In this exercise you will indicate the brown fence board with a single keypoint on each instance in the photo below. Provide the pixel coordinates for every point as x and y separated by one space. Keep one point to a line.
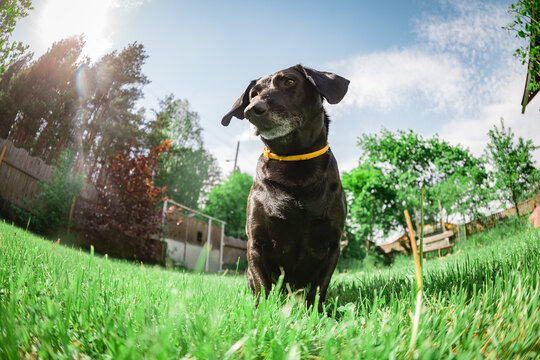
21 173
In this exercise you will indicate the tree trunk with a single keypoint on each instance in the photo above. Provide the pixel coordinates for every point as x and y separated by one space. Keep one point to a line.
514 200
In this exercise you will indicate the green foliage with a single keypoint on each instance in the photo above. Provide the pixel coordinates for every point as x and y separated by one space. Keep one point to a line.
392 169
370 195
349 264
39 102
515 175
355 248
50 209
108 117
189 168
59 303
526 25
10 12
228 202
239 266
500 232
64 101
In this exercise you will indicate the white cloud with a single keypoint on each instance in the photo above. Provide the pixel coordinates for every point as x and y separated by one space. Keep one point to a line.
126 3
246 135
396 78
471 130
473 31
461 72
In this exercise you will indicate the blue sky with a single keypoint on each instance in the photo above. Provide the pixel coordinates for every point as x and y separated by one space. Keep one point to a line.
441 67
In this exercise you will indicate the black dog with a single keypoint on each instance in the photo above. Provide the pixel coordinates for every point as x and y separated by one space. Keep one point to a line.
296 208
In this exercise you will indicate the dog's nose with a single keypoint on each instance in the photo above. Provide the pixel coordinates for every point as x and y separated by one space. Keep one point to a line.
256 109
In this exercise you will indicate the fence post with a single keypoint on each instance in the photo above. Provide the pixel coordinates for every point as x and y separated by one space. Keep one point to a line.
163 214
71 213
3 153
208 244
185 241
221 247
162 239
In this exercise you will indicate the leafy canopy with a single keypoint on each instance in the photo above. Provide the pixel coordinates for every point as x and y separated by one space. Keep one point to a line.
10 12
392 170
228 201
188 168
514 172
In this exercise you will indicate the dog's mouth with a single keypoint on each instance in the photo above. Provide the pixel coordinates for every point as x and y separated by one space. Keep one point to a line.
276 125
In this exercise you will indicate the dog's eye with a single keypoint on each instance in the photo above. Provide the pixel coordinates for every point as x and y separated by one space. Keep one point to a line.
254 93
289 82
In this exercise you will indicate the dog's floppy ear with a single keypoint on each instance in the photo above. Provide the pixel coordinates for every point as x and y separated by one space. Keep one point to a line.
239 106
331 86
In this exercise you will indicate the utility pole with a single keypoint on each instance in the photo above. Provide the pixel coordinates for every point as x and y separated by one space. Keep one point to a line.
236 156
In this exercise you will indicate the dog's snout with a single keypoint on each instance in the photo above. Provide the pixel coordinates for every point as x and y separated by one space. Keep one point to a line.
260 108
257 109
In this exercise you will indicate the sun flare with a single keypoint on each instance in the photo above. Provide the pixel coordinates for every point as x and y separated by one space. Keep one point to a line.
64 18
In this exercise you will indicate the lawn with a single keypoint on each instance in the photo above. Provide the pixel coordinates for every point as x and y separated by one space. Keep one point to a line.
57 302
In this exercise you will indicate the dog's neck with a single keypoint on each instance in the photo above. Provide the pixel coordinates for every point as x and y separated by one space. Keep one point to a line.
306 139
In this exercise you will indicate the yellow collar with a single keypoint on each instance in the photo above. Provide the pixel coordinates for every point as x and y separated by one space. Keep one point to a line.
269 155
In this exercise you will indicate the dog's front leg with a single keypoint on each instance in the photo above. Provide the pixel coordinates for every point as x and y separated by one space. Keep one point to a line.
322 280
257 273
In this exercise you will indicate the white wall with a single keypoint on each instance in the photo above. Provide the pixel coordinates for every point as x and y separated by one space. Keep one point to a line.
175 252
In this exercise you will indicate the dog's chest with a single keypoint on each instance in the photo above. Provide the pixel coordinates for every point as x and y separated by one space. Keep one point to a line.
299 227
309 240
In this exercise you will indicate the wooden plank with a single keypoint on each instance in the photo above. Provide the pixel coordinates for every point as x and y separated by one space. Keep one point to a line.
430 239
438 245
444 247
234 243
180 206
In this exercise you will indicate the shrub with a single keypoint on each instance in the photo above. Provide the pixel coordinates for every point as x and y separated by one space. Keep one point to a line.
126 220
50 209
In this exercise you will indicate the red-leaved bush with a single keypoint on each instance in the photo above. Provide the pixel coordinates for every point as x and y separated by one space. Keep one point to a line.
126 220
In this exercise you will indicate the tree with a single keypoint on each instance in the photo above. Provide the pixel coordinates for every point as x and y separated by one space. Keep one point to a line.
411 162
61 101
369 196
108 116
514 171
189 168
127 216
39 100
392 170
10 12
228 202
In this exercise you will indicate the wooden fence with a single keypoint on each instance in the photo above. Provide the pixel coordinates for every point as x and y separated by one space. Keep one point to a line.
21 173
525 208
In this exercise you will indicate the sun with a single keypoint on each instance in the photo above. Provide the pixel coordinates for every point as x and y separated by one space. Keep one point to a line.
63 18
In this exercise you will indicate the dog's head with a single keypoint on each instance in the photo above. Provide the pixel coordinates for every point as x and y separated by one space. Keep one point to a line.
280 103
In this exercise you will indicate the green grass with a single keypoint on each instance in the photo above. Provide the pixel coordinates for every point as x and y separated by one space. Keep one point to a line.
56 302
